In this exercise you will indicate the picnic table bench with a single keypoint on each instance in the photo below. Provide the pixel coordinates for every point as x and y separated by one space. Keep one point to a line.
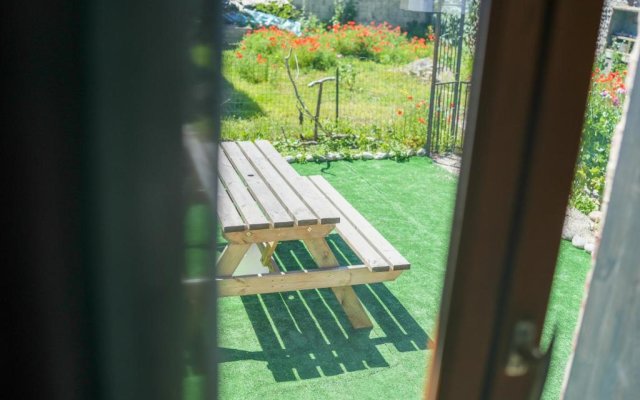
262 200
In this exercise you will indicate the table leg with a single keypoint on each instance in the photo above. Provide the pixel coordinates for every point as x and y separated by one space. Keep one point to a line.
346 296
231 258
267 252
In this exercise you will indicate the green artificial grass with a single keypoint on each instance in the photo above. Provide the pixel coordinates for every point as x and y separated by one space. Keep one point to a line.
299 345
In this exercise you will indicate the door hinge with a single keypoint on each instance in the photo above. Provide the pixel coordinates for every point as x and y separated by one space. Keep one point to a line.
525 356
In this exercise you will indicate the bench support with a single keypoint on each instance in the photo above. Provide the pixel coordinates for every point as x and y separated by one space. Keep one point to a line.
325 259
276 282
231 258
346 296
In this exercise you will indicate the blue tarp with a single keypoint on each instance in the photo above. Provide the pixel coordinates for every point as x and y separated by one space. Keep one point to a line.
254 18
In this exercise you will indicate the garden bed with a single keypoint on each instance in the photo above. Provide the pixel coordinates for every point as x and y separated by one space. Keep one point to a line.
381 108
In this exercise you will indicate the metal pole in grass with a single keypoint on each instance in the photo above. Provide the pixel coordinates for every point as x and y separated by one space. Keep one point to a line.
317 116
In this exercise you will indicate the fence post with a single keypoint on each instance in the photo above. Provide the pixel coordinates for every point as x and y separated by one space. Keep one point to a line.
315 127
456 88
337 92
434 80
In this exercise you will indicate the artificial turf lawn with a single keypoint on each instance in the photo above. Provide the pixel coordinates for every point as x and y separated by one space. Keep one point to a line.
299 345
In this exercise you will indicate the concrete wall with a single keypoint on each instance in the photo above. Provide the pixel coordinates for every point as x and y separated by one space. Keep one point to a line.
368 10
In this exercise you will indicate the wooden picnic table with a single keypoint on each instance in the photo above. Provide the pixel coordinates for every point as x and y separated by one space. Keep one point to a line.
262 200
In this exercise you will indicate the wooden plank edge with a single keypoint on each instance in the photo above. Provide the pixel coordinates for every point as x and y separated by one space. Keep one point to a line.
259 226
307 222
231 229
330 220
283 224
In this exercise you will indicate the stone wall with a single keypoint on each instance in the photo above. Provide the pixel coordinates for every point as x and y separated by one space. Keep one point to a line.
368 10
606 19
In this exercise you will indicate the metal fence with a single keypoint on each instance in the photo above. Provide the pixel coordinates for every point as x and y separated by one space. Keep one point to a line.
360 96
449 91
447 125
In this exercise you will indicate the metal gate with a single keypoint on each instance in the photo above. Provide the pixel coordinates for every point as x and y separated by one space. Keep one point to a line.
449 94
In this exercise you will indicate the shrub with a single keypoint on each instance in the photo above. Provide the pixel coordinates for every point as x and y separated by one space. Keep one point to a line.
273 44
252 68
382 42
279 9
320 50
348 75
311 24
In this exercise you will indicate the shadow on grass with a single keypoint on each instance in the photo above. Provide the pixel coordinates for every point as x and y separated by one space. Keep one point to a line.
237 103
305 334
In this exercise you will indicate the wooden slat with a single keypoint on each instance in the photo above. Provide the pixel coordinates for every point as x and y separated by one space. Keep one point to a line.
371 234
287 196
271 205
308 192
361 247
229 217
297 280
241 197
359 243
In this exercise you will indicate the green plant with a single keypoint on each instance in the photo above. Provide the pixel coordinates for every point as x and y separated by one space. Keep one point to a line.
604 110
344 11
321 50
617 62
347 75
279 9
311 24
470 29
252 68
